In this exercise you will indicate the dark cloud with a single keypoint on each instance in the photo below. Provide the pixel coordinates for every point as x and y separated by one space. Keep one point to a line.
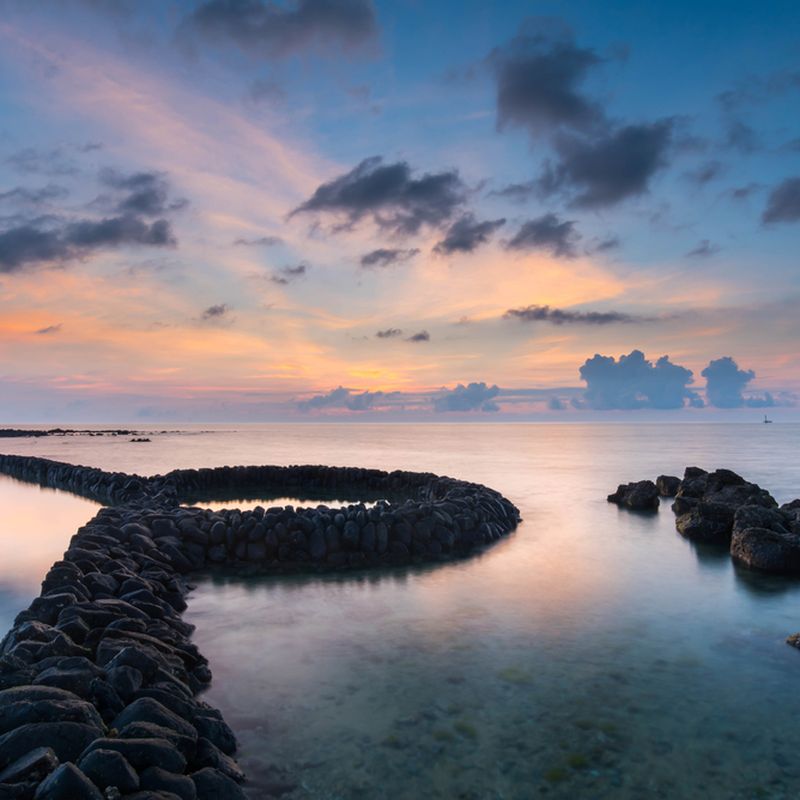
345 398
539 84
703 249
268 30
261 241
556 404
40 162
288 274
388 193
34 197
472 397
784 202
602 171
49 330
636 382
548 232
216 312
143 193
467 234
29 244
386 257
705 173
516 192
558 316
422 336
389 333
725 381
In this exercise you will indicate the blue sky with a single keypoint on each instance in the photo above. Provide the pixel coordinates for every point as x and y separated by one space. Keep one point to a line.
183 216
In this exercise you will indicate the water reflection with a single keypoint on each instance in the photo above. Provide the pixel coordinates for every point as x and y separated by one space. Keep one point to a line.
595 653
37 526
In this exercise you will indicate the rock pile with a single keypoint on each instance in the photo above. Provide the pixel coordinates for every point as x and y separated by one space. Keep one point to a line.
721 507
99 678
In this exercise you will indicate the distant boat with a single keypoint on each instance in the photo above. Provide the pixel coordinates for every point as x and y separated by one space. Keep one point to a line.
767 421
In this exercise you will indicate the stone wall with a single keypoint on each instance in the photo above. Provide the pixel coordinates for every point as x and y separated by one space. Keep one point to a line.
99 678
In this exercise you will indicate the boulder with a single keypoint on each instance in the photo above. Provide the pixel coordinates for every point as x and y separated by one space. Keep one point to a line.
67 782
668 485
31 704
109 768
142 753
213 785
638 496
66 739
146 709
159 780
34 766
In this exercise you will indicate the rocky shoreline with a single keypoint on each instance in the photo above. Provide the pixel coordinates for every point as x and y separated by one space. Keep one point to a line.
722 508
99 678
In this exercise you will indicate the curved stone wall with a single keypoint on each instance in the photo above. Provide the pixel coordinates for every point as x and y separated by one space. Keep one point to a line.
98 677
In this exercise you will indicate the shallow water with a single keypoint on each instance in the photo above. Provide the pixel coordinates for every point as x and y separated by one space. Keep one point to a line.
594 653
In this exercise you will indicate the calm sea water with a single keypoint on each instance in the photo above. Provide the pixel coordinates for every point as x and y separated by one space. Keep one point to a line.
592 654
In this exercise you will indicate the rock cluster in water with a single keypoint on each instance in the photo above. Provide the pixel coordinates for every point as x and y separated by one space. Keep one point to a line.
722 508
99 678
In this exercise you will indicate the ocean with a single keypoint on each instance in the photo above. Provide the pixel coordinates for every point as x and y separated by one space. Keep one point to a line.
594 653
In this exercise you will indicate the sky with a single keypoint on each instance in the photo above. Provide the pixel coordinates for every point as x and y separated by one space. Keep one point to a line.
240 210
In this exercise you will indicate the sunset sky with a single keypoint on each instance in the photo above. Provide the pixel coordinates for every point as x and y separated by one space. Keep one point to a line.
246 210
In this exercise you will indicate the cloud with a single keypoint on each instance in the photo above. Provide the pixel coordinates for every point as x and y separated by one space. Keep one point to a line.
34 197
539 84
705 173
604 245
286 275
784 202
556 404
547 232
740 136
635 382
422 336
725 381
389 333
757 89
703 249
386 257
558 316
216 312
743 192
49 330
605 170
516 192
388 193
29 244
39 162
344 398
472 397
261 241
267 30
467 234
143 193
266 90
